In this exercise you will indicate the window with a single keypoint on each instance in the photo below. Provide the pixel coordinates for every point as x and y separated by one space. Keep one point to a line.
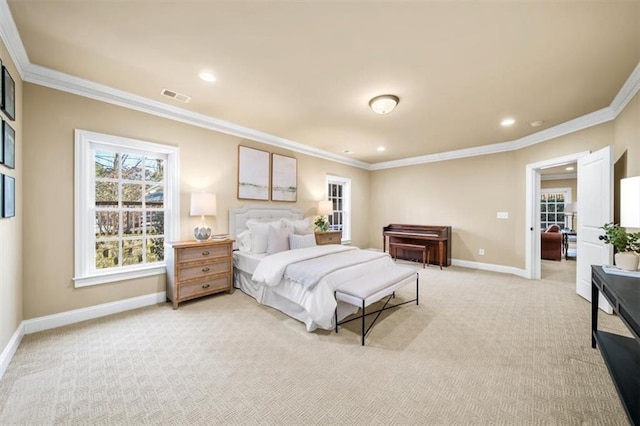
552 206
125 194
339 193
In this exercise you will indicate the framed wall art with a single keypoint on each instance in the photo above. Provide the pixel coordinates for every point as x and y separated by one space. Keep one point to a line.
8 196
253 174
8 94
8 145
284 178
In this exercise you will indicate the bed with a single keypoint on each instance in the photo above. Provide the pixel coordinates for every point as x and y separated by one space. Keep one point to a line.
299 282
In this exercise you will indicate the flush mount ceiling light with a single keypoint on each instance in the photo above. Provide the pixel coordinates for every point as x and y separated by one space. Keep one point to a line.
384 104
380 148
207 76
507 122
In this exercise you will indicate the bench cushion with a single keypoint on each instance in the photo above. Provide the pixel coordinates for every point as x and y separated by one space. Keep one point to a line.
367 285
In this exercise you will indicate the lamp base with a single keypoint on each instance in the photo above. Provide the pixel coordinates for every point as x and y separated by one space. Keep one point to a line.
202 233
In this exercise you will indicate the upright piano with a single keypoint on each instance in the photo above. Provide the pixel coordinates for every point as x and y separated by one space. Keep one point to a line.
438 238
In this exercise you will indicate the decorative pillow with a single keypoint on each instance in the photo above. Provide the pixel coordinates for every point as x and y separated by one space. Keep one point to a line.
278 238
260 233
301 241
244 241
302 227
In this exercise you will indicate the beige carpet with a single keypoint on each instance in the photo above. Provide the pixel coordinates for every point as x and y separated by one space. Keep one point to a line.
481 348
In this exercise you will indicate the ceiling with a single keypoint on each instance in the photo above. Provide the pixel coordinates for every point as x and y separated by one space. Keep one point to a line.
305 71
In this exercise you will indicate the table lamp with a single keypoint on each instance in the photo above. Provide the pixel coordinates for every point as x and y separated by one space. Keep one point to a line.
202 204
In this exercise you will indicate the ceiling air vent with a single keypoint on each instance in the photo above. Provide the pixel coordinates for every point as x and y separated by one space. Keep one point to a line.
177 96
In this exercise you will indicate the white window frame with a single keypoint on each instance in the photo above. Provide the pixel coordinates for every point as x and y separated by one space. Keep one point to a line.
346 211
85 272
567 200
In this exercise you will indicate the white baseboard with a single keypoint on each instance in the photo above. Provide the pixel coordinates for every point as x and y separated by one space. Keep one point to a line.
489 267
64 318
11 348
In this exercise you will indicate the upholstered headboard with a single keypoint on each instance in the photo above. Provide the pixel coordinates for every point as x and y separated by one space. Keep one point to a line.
238 217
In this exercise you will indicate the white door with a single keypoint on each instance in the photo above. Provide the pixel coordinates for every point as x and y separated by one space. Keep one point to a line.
595 208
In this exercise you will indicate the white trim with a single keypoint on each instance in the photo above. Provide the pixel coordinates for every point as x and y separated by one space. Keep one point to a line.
120 275
559 176
532 210
67 83
70 317
11 348
488 267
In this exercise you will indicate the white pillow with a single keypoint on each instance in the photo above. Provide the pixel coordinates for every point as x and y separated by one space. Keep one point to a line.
278 238
302 227
301 241
260 233
244 241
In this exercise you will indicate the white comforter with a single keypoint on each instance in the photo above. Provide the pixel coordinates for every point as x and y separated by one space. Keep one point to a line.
317 298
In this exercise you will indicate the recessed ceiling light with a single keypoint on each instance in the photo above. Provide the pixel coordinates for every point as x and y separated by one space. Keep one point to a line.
536 123
207 76
507 122
569 168
380 148
348 151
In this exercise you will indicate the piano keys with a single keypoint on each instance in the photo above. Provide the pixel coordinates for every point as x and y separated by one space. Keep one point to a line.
437 238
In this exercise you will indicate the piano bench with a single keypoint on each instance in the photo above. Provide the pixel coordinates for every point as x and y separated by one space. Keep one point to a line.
373 287
426 253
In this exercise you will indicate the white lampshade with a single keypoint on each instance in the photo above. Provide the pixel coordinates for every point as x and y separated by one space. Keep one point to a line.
630 202
203 204
571 207
384 104
325 207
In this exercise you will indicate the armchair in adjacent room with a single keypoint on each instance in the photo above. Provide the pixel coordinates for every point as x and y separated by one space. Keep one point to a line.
551 243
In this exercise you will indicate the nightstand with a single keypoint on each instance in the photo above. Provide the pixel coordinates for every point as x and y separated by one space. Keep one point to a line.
196 269
329 237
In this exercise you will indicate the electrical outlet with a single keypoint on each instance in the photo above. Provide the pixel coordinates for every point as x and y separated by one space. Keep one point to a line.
481 252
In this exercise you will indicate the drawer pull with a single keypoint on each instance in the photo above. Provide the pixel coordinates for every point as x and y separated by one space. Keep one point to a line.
205 253
205 269
205 285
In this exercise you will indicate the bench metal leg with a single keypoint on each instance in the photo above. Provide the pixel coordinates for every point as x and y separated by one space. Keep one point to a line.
363 315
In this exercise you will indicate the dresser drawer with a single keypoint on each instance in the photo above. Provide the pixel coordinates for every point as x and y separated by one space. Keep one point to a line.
203 253
204 269
202 287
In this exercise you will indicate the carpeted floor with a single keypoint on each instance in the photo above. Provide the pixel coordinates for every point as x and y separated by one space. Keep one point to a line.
481 348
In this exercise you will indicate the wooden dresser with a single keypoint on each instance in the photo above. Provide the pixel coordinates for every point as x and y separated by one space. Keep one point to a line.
329 237
196 269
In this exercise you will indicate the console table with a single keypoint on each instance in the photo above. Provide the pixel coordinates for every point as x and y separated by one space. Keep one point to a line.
621 354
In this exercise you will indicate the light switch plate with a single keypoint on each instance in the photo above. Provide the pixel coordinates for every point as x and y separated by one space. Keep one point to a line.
503 215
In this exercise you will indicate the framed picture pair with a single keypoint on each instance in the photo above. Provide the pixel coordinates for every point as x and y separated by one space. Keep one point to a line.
263 176
7 196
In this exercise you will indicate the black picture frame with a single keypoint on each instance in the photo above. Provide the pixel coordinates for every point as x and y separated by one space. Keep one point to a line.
8 94
8 145
8 196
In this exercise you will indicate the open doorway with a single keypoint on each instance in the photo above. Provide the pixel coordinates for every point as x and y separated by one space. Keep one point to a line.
558 214
551 196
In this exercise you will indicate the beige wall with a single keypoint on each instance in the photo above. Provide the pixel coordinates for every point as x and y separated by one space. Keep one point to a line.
11 228
208 161
467 193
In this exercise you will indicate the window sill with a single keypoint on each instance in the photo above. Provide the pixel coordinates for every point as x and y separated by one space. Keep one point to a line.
114 276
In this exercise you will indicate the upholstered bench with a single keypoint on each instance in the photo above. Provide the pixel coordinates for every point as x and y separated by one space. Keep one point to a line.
372 287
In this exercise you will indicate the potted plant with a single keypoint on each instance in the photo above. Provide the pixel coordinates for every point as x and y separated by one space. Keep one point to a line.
321 223
626 244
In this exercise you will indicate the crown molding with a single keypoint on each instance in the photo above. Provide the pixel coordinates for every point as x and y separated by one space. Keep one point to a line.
64 82
11 38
